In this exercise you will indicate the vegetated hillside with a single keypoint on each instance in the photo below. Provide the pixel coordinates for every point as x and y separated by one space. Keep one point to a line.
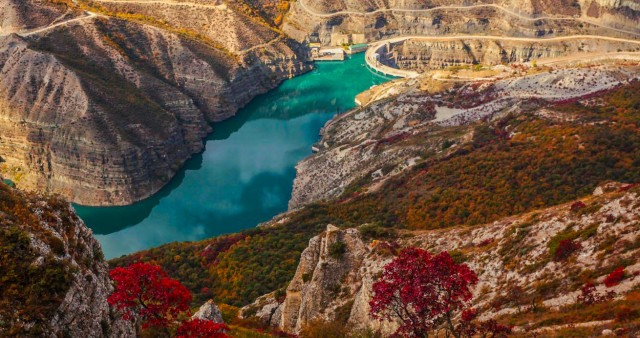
54 279
104 110
532 270
510 165
337 21
363 148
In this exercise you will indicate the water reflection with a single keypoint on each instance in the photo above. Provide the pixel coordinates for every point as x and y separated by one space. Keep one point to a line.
245 175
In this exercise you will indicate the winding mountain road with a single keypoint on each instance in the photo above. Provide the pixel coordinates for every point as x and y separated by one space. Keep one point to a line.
470 7
88 16
165 2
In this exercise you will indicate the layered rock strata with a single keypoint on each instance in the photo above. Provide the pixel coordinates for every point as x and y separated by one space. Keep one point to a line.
106 111
338 21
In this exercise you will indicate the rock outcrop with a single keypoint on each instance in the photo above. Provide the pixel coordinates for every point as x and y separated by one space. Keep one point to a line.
507 254
328 277
105 111
421 55
55 281
209 311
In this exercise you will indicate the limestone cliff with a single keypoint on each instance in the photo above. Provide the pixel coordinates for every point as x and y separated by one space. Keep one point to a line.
105 111
339 21
422 54
55 281
512 253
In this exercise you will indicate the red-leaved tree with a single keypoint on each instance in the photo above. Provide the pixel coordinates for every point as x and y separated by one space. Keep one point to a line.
422 292
144 292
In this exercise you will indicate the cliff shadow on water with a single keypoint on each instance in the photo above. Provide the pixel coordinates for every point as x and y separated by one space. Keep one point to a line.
245 175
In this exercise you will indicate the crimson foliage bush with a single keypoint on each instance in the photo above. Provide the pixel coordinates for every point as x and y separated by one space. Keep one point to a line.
615 277
565 249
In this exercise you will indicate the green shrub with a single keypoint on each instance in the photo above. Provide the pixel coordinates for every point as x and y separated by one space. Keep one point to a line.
373 231
337 249
457 256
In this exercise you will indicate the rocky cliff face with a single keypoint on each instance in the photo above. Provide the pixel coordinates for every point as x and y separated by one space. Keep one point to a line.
507 254
105 111
339 21
423 54
55 281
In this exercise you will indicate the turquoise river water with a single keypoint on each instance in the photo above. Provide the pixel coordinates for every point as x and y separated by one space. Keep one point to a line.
245 175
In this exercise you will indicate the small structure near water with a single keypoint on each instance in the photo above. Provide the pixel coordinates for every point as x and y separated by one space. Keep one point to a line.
327 54
359 48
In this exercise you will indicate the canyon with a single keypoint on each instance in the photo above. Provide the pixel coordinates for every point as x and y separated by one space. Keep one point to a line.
512 128
104 111
200 64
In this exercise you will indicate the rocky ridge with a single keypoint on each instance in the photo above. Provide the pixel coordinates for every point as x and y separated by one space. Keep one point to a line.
337 21
507 254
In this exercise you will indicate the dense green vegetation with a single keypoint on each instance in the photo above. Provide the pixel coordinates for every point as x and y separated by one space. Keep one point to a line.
514 165
236 269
